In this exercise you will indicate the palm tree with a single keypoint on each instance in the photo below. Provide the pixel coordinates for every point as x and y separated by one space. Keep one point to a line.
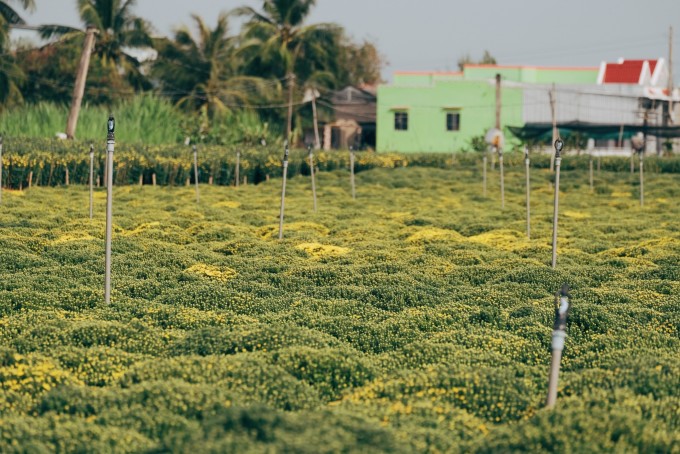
10 73
284 42
202 73
117 29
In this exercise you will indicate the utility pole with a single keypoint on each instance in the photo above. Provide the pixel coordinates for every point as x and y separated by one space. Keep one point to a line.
498 102
554 124
291 85
81 78
670 75
317 140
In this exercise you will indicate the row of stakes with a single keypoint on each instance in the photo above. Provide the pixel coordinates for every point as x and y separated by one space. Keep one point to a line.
562 297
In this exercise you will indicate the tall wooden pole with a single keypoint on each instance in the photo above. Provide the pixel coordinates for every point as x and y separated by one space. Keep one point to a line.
498 102
670 75
291 85
79 87
317 140
554 125
499 145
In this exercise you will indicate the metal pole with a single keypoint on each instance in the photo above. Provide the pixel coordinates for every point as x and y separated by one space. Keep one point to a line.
283 188
198 196
351 170
311 169
1 144
642 180
500 166
238 166
110 144
91 181
590 178
558 337
484 165
558 161
528 178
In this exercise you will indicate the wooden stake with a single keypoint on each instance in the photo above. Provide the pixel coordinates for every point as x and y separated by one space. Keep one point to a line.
153 178
283 188
66 177
311 169
30 179
351 172
528 189
238 167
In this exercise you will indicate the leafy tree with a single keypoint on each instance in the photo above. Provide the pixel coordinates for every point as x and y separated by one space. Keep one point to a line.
286 47
360 64
10 74
487 59
118 29
50 75
202 73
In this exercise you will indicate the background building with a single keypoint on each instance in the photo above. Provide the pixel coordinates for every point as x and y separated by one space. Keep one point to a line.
443 112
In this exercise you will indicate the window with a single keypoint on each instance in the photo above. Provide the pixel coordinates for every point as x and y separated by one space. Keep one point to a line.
453 121
401 121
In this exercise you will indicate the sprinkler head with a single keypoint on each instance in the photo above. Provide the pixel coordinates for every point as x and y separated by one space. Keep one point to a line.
559 144
111 124
193 148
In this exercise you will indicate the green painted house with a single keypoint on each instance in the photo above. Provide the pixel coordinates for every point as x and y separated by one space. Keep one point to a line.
442 112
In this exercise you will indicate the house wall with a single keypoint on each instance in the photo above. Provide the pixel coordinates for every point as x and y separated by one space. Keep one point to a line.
534 75
427 105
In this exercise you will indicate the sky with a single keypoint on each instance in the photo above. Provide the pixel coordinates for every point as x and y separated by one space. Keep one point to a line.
425 35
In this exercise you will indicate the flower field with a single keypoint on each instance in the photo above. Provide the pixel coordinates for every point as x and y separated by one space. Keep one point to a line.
416 318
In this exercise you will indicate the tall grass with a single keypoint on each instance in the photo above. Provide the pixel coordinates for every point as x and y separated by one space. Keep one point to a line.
142 119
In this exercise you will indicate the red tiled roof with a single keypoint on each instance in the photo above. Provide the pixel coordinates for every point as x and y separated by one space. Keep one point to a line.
626 72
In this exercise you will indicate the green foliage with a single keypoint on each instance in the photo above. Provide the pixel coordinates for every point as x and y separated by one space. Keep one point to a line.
416 318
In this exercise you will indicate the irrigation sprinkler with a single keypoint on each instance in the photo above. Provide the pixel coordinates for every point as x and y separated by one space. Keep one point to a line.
558 161
1 143
198 195
238 167
351 172
528 178
91 181
311 169
110 144
559 335
283 187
